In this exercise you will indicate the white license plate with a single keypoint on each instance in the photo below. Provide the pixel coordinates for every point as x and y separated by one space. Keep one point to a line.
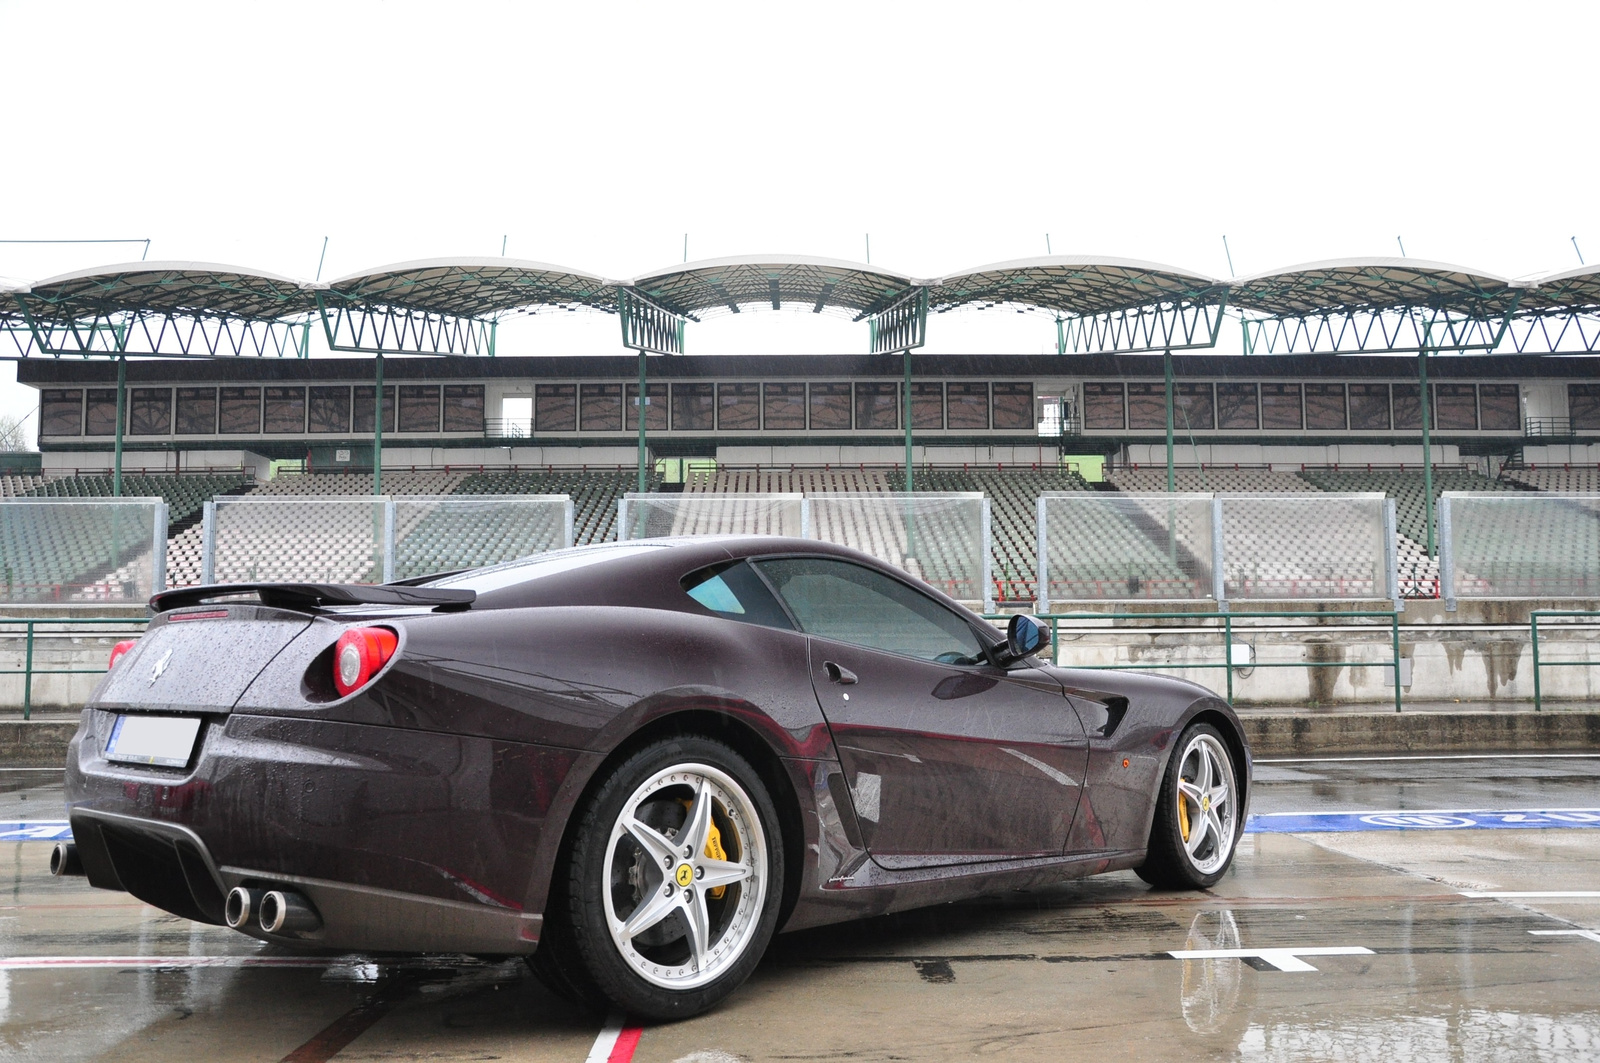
163 741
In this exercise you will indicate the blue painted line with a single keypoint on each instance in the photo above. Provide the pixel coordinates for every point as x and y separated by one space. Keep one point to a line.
1421 819
56 830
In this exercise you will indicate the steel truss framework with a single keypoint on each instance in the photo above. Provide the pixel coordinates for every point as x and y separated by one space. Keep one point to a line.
902 325
1380 305
167 309
1099 305
439 306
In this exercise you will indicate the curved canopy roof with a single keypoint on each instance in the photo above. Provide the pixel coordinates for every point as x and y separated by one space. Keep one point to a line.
754 282
477 287
198 289
1373 284
1576 289
1071 284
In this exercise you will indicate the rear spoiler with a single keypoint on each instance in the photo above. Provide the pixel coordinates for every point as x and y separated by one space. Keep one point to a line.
302 596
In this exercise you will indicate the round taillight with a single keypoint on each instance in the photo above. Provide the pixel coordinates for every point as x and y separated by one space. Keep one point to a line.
119 651
359 654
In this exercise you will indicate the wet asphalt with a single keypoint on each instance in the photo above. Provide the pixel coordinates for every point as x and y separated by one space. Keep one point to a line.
1418 970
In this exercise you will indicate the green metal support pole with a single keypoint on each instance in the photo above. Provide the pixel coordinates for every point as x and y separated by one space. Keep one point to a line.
377 428
643 446
906 402
122 391
1227 648
1172 476
1427 446
1394 629
28 676
1538 694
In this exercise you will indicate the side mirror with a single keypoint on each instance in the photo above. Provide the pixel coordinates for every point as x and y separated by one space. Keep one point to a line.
1025 636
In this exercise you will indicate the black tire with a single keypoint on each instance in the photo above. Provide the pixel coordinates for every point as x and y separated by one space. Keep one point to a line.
656 973
1171 861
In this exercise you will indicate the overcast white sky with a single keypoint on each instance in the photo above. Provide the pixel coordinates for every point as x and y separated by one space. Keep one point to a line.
597 135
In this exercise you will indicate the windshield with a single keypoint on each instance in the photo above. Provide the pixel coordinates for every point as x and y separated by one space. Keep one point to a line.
511 573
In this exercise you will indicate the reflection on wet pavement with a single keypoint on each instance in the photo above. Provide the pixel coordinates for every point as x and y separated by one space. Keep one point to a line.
1078 971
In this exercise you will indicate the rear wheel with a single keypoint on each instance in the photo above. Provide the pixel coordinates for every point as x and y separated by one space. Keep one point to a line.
673 882
1196 823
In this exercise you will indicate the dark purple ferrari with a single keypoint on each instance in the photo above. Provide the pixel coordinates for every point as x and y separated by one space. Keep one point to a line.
633 763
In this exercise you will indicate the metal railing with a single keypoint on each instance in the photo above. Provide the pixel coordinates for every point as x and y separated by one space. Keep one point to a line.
1230 621
31 634
1547 426
1593 621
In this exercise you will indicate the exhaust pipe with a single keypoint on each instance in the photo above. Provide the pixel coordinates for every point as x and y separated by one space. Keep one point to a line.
64 860
242 905
288 912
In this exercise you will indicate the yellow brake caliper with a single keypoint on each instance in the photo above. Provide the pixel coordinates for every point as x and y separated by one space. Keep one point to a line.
1183 815
715 851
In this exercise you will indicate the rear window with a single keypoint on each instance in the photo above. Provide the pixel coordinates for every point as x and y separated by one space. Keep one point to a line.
734 591
512 573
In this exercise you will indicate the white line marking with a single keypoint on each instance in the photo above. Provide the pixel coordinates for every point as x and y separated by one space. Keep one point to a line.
1590 934
1287 960
1547 894
603 1044
1418 812
42 963
1435 756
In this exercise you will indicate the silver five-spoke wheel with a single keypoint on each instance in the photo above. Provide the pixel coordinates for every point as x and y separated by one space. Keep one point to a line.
1205 803
1198 813
684 875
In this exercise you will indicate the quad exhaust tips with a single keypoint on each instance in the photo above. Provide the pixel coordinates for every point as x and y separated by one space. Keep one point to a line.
272 911
64 860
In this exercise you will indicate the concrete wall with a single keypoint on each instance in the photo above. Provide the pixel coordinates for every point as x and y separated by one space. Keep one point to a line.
1477 655
66 462
1284 457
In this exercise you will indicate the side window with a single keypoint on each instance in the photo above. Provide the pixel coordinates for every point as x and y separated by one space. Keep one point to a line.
736 593
838 600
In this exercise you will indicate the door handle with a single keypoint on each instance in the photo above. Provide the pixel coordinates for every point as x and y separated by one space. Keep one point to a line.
839 674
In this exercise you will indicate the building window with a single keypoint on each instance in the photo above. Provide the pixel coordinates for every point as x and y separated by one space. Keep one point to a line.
655 408
284 410
239 411
877 405
329 410
600 407
1325 409
463 408
1194 409
419 407
966 406
1280 407
1103 408
1147 406
783 407
927 406
197 412
1456 407
694 407
1237 407
830 407
1499 408
362 419
61 413
150 411
1369 407
1013 406
1583 407
1407 407
100 412
739 407
555 407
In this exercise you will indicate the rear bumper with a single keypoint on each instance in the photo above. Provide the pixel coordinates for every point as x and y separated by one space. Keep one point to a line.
401 840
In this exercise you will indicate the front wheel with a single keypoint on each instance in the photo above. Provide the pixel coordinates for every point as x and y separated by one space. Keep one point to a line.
675 878
1196 823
